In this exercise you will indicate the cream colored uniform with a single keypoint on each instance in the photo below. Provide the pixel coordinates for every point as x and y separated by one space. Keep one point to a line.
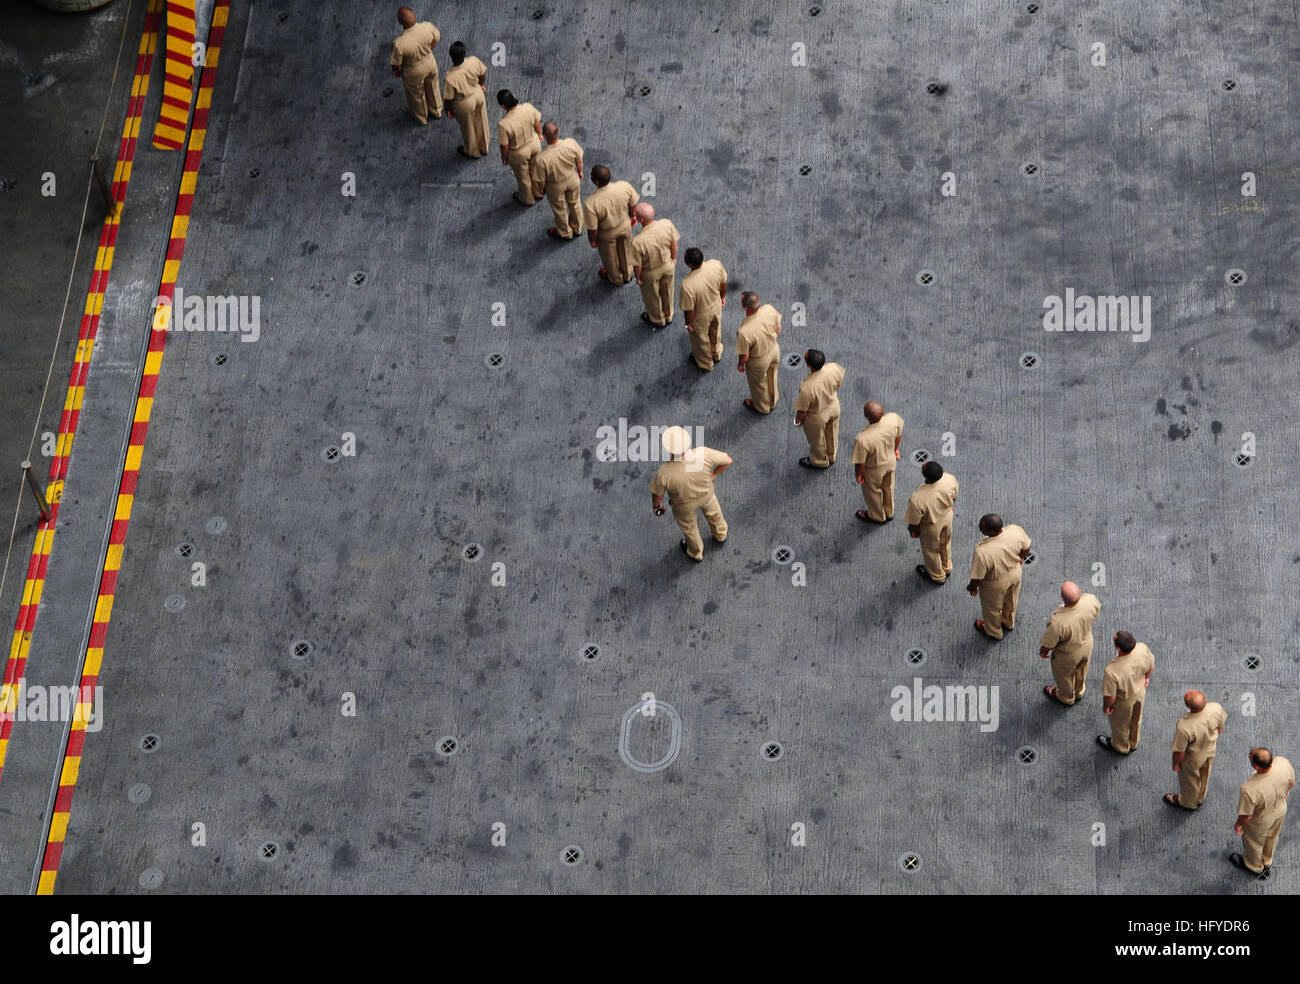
757 338
1125 680
607 210
517 133
413 56
652 252
688 482
996 565
701 293
873 449
931 510
556 169
465 93
1069 637
1197 737
819 396
1263 799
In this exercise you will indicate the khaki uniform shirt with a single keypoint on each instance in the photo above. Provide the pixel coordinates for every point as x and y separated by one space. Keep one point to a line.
607 207
756 336
1197 734
1264 796
413 49
652 246
702 291
688 480
1125 678
819 392
463 79
873 448
557 162
1069 629
515 131
997 558
931 504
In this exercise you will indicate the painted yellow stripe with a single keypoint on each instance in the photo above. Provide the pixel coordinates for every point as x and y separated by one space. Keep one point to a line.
143 408
175 134
58 828
180 229
113 559
94 657
71 766
153 363
189 181
46 884
170 269
219 16
124 503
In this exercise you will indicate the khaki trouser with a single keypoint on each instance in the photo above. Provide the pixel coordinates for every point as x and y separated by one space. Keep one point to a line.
471 114
761 377
1257 844
935 548
423 94
657 292
823 435
878 491
566 205
1070 671
520 161
706 339
1193 781
1126 725
685 516
614 244
998 604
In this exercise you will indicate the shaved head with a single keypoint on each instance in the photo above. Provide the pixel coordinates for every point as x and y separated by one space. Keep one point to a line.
600 175
645 213
1195 700
1261 758
990 524
406 16
551 132
873 411
1070 593
749 301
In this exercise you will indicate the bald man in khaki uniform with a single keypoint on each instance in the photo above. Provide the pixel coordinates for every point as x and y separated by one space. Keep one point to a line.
1124 691
703 296
687 479
817 409
1068 640
557 171
607 214
1196 739
995 574
464 94
929 519
520 136
875 458
654 264
1261 808
759 355
413 60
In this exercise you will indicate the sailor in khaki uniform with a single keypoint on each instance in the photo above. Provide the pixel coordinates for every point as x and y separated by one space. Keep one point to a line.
1261 808
654 264
995 574
1196 739
1068 640
929 519
520 136
687 479
413 60
703 296
557 170
817 409
464 92
607 214
759 355
875 457
1124 691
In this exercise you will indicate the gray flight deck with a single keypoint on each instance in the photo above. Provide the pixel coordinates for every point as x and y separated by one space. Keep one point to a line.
1108 451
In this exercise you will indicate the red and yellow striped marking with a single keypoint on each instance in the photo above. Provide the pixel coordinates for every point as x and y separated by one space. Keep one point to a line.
36 566
178 77
131 468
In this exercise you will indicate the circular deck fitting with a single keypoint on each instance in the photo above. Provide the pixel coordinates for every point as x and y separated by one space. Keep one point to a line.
920 456
282 16
814 11
936 88
219 358
151 878
805 169
674 737
1235 277
1031 558
215 526
590 653
1033 8
299 649
185 549
1030 360
910 862
268 851
782 554
447 746
149 743
472 552
358 278
794 360
1229 85
770 751
7 184
1026 754
644 90
331 454
539 13
914 656
571 855
254 172
1242 460
1251 661
138 793
386 91
1029 168
174 603
926 277
494 360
